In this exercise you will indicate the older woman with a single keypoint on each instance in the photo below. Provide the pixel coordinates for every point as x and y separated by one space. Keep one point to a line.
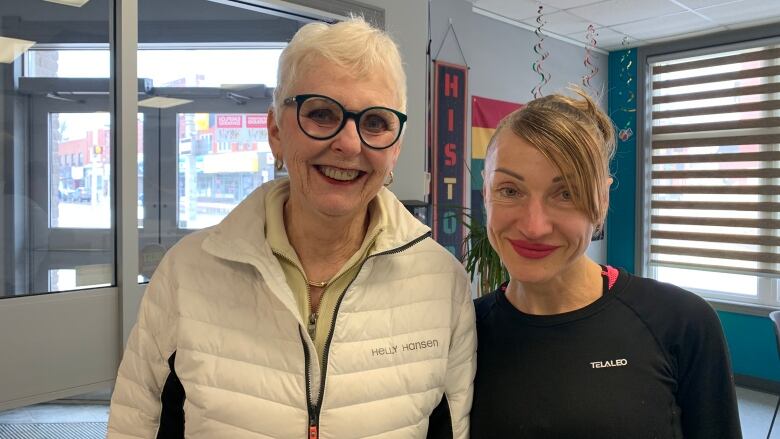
569 348
319 307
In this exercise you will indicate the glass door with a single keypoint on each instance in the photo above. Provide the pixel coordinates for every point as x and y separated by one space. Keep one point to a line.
72 234
59 304
212 152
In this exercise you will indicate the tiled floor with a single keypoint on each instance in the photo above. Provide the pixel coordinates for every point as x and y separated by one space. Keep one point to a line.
56 413
55 421
755 412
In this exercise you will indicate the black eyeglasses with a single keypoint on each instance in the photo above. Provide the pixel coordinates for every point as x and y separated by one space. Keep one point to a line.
321 118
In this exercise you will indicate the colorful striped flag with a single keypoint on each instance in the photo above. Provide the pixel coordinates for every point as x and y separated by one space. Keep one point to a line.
485 116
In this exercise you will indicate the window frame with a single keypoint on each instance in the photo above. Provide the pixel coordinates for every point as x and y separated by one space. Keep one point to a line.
768 296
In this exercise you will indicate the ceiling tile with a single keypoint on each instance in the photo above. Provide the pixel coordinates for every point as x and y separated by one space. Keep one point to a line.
751 23
697 4
563 23
606 39
614 12
567 4
664 26
515 9
682 36
743 11
643 21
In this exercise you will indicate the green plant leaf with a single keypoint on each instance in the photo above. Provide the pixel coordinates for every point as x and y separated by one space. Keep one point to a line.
480 258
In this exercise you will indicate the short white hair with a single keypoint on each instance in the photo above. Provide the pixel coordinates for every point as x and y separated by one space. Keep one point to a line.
352 44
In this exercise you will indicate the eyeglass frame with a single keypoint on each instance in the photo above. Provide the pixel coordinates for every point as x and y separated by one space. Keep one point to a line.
300 99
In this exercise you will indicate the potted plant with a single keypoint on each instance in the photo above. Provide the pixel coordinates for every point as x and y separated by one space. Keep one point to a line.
480 259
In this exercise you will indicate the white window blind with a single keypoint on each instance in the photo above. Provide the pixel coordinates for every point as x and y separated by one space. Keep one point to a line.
714 171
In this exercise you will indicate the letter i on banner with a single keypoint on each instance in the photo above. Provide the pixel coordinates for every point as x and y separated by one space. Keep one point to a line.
449 155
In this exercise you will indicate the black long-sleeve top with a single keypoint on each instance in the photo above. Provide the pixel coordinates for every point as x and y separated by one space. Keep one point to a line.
646 360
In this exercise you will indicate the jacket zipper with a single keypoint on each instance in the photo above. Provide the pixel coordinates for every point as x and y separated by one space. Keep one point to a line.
313 413
312 323
314 409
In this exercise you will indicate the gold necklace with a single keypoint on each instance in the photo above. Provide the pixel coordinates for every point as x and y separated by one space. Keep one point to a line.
316 284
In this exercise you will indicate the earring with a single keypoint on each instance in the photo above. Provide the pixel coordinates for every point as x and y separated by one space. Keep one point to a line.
388 183
598 233
278 164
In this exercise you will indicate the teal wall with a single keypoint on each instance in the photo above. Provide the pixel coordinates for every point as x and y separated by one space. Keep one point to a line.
752 345
750 338
621 219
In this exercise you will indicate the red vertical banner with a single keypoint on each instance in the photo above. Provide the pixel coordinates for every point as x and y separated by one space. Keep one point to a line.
449 155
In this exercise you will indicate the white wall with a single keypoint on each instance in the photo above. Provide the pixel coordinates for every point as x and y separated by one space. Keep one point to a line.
407 22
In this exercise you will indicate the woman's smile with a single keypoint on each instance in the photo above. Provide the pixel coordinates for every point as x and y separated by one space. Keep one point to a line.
339 175
532 250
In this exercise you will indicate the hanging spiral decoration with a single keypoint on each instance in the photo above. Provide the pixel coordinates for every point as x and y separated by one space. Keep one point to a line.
626 78
544 77
591 69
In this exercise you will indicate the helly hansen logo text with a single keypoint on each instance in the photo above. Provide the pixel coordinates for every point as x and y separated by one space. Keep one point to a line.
411 346
609 363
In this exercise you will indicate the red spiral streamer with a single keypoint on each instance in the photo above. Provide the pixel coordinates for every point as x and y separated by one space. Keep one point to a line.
625 77
544 77
591 69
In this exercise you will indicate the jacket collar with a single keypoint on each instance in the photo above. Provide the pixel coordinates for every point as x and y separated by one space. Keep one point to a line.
240 237
401 227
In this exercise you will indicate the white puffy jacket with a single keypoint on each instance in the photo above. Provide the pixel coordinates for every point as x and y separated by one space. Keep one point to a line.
219 334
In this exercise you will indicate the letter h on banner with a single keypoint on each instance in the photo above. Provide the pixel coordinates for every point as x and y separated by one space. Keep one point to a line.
450 85
449 155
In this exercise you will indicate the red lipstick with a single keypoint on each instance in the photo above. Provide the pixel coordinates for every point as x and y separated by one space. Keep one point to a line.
531 250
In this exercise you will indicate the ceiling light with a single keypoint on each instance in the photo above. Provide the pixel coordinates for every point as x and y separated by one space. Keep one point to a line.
11 48
161 102
76 3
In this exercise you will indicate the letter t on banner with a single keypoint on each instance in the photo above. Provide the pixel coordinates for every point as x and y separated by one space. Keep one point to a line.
449 155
